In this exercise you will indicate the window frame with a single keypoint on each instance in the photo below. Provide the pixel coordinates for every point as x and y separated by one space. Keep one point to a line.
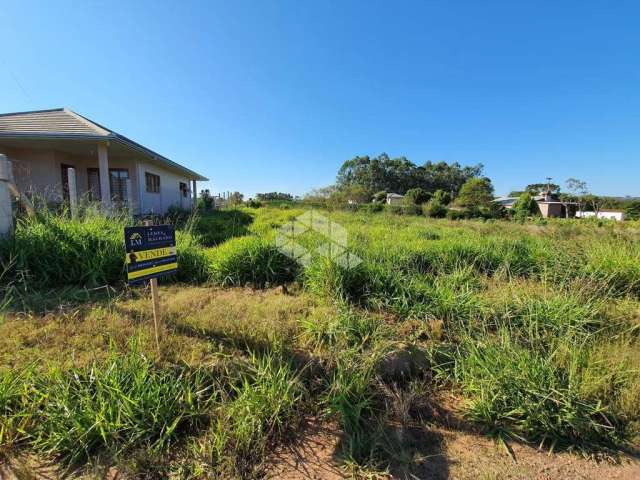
152 182
184 189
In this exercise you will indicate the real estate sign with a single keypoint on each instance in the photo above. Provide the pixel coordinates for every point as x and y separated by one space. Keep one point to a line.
151 252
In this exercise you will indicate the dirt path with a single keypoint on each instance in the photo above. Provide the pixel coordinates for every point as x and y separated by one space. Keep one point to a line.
456 455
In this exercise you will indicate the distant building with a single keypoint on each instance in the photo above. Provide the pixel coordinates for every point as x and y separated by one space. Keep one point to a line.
395 199
549 203
605 214
506 202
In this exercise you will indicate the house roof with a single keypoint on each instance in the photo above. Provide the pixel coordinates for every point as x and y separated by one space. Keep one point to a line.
62 123
505 201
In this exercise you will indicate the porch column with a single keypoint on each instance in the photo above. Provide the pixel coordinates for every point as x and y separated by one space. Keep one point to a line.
194 192
73 191
103 165
6 213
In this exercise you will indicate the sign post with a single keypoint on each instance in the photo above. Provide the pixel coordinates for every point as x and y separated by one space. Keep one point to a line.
151 253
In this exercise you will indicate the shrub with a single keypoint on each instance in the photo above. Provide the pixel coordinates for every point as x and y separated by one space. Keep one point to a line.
434 209
416 196
250 260
403 209
525 207
371 208
254 203
442 197
457 214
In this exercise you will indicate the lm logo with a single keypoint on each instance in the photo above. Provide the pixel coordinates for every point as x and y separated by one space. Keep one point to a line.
136 239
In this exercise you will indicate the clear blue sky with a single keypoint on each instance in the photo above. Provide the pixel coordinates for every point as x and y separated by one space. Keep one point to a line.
266 95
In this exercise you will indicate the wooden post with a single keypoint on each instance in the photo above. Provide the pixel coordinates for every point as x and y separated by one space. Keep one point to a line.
157 320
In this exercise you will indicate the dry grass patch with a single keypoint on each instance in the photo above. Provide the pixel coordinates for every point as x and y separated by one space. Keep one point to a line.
203 325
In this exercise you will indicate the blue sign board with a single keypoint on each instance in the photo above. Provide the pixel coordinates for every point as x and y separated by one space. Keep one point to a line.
151 252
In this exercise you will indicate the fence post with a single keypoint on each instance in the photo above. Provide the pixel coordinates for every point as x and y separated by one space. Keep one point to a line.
6 212
73 191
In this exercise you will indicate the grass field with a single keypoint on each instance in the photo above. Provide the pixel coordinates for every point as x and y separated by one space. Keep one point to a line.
525 333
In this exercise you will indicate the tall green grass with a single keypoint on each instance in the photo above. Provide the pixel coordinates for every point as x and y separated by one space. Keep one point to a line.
535 397
262 406
52 250
115 406
250 261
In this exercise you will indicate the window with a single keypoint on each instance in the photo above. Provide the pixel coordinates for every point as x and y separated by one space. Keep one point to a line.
184 190
153 182
118 184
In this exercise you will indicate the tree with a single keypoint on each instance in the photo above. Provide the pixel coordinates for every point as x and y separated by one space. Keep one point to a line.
380 197
235 198
205 200
632 210
399 175
416 196
352 194
442 197
594 202
577 190
536 188
475 193
525 207
273 196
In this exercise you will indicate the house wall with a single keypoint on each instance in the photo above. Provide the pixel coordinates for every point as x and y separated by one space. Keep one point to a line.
34 171
549 210
169 194
38 172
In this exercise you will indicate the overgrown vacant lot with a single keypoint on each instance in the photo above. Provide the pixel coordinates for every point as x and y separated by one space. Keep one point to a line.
451 343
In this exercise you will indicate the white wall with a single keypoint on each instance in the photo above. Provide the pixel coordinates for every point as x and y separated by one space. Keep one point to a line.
619 216
169 195
38 171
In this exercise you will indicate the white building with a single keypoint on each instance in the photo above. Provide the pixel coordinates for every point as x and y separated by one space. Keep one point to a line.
395 199
44 145
606 214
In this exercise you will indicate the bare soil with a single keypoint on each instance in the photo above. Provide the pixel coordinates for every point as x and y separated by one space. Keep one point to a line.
456 455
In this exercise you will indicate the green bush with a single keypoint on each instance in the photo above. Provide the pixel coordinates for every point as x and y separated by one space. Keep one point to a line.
457 214
250 260
416 196
434 209
371 208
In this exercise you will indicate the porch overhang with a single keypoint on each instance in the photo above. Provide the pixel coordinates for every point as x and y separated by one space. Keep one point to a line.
88 144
